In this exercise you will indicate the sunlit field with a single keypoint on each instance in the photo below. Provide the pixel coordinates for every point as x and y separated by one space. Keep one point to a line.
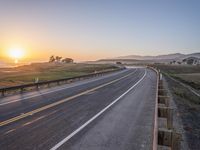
46 71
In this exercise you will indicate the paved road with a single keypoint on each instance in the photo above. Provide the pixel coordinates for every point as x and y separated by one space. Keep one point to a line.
113 112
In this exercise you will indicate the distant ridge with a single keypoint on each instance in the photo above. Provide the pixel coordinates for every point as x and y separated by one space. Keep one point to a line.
174 56
152 59
138 57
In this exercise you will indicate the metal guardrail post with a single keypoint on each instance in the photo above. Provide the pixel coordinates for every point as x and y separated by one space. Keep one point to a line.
162 92
166 112
176 138
165 137
169 138
163 100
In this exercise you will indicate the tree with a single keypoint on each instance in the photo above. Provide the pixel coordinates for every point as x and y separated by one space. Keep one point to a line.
118 63
68 60
52 59
58 58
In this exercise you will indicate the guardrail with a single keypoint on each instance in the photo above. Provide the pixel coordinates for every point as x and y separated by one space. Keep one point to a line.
25 87
164 136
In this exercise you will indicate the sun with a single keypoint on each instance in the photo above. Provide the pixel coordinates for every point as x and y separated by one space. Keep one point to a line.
16 53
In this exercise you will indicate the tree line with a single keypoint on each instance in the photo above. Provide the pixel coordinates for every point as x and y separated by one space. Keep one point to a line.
60 59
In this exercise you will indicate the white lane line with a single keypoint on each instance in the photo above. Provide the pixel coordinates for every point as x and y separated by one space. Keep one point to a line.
30 122
9 131
59 89
94 117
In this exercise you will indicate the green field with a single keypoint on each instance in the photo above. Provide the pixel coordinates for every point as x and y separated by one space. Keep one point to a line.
187 74
47 71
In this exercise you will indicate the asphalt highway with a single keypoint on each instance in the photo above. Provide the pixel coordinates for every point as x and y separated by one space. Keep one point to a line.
111 112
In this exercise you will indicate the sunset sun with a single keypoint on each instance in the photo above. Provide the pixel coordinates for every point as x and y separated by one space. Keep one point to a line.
16 54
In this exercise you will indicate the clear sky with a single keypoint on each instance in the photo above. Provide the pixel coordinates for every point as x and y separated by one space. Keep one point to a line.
89 30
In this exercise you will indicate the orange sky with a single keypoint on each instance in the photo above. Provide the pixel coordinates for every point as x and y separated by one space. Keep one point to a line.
98 29
31 55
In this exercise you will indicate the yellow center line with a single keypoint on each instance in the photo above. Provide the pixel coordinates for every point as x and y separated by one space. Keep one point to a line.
59 102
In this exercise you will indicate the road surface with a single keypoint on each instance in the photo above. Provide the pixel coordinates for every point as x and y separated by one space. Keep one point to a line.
112 112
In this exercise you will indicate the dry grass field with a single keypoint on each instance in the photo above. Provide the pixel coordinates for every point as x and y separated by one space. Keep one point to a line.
46 71
187 74
191 77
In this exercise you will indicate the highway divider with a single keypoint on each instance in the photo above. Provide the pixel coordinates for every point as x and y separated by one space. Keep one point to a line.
35 86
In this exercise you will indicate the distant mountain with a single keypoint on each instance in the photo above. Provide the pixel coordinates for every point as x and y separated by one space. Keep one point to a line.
197 55
152 59
175 56
138 57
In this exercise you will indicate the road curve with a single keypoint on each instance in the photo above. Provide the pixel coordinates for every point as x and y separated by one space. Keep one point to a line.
111 112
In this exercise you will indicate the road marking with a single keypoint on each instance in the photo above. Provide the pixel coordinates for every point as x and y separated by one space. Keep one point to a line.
94 117
9 131
39 118
24 115
53 112
35 95
92 92
30 122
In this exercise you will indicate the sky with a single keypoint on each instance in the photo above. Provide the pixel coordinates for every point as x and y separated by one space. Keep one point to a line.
95 29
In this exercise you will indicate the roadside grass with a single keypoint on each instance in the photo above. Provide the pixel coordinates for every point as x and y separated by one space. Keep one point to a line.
43 76
186 95
47 71
179 69
187 74
192 79
189 79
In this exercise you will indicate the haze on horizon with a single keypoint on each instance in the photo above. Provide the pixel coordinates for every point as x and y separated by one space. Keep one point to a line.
90 30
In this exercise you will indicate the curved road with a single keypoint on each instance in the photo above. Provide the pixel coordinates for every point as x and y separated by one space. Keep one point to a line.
112 112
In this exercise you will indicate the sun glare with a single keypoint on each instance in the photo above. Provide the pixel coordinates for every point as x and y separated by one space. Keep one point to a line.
16 54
